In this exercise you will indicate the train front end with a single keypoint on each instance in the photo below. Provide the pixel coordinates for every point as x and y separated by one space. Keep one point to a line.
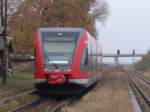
56 56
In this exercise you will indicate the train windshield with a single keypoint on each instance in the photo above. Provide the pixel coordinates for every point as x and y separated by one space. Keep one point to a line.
59 52
58 49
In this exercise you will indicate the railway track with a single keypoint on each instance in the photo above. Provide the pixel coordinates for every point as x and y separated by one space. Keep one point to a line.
27 105
143 78
138 91
17 95
16 91
52 104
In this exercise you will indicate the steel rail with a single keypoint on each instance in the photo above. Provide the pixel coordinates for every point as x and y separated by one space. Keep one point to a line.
69 101
143 78
16 91
144 96
56 108
28 105
18 95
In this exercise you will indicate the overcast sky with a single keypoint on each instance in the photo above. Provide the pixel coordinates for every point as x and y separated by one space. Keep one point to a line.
128 26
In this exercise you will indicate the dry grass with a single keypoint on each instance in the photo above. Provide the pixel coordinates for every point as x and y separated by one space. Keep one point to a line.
147 74
11 104
110 95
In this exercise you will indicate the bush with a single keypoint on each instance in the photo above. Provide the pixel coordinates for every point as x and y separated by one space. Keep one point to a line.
144 64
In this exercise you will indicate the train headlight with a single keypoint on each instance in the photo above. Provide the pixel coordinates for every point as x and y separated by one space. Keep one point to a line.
69 69
46 70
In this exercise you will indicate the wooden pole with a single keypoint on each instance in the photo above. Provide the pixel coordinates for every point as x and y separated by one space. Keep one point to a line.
5 45
1 10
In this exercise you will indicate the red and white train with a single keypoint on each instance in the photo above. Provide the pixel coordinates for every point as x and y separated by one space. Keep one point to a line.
65 57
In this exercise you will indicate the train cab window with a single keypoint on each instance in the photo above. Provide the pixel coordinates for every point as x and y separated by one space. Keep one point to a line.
84 61
59 47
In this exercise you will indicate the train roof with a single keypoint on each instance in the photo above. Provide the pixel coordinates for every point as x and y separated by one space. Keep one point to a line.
59 29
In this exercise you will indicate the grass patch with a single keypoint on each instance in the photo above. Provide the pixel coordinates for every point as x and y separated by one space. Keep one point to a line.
23 71
9 105
147 74
22 77
18 75
110 95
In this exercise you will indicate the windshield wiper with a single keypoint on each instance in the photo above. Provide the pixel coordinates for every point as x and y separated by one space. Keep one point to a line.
49 59
56 66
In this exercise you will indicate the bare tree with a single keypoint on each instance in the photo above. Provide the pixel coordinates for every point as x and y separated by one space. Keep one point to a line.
12 6
100 10
31 14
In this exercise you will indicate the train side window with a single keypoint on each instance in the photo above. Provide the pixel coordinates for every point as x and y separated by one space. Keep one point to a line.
35 63
84 61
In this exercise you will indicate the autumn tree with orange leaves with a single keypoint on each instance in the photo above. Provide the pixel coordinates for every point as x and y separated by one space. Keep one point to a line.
32 14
